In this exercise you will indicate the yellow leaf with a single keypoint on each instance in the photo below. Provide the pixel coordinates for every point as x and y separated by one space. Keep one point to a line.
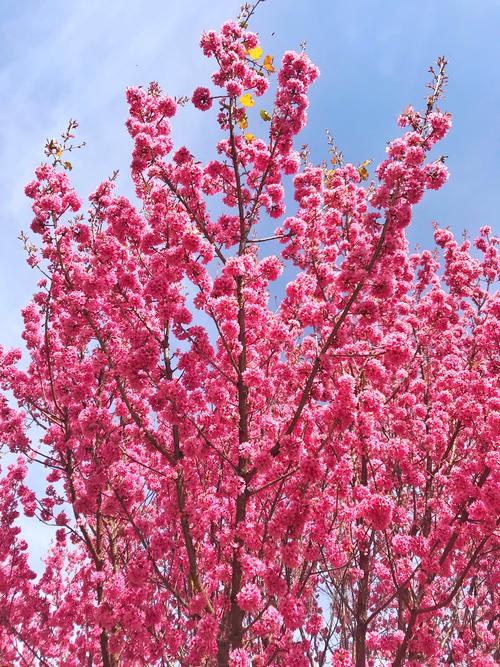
268 64
247 100
255 53
363 171
265 116
243 123
334 159
59 152
250 137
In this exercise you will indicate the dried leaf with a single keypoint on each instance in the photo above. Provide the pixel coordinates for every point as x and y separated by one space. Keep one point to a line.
268 64
363 171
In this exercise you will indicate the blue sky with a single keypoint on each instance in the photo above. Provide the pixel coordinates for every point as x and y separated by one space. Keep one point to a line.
62 60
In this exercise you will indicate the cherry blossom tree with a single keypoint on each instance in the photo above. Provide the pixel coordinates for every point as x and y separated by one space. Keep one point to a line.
246 469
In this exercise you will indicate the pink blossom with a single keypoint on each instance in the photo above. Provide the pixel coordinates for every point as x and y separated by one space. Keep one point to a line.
202 99
249 598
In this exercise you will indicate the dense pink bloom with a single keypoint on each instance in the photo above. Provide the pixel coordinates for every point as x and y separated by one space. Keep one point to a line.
202 99
378 511
262 436
249 598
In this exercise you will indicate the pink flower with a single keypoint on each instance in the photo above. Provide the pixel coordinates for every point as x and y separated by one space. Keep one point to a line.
342 658
249 598
436 175
167 106
202 99
239 658
234 88
440 124
377 511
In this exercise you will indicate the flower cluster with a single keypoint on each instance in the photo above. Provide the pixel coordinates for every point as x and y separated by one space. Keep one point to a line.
260 446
